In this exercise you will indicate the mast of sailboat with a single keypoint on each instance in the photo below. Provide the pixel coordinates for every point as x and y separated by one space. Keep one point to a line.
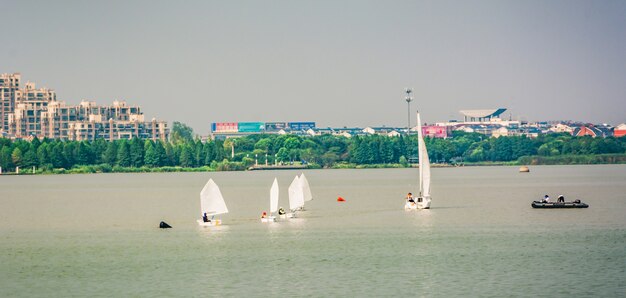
419 152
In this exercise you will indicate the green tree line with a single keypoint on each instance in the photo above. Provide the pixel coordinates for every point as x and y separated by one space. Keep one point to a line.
321 151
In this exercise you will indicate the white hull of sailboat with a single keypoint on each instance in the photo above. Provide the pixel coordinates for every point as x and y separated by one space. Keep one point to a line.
211 223
269 219
424 205
288 215
410 206
417 205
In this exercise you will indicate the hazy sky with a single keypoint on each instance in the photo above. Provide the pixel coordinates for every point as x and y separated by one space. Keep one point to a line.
338 63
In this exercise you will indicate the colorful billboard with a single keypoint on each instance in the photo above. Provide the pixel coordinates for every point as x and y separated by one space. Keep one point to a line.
275 126
251 127
224 127
301 125
435 131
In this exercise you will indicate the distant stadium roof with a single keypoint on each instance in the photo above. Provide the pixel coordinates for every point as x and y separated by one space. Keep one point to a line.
483 113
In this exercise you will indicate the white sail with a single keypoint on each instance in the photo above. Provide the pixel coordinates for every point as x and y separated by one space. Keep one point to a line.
306 189
274 197
211 200
424 162
296 196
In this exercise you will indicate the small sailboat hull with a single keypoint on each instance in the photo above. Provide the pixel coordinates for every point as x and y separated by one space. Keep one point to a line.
424 204
211 223
418 205
410 206
269 219
555 205
287 215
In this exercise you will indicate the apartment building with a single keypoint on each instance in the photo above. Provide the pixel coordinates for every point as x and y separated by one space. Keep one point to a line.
32 112
9 90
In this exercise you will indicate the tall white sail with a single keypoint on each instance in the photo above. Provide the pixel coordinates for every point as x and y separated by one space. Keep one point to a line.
211 200
424 162
306 189
296 196
274 196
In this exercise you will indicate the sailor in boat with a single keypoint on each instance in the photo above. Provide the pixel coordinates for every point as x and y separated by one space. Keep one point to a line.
264 214
410 199
546 199
281 211
205 218
560 199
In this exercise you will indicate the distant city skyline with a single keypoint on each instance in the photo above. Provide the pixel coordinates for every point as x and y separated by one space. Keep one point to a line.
337 63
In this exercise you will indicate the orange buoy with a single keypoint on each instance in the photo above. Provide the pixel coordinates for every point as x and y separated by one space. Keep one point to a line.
340 199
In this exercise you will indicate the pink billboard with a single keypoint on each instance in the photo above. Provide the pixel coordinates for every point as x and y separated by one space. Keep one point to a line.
435 131
226 127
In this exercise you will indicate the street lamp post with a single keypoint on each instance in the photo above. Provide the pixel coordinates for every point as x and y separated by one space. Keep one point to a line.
408 99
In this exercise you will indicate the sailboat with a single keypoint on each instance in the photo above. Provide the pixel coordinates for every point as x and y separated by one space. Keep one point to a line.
273 203
423 200
306 190
296 196
211 204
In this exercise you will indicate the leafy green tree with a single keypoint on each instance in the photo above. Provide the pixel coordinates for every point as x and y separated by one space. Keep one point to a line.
181 133
110 154
151 158
292 143
328 159
136 152
43 155
283 154
186 156
30 158
218 149
98 149
84 155
69 149
263 144
171 158
199 153
161 153
209 152
56 156
123 154
16 157
6 159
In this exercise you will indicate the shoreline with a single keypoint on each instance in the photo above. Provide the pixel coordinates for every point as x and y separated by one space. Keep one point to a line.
94 170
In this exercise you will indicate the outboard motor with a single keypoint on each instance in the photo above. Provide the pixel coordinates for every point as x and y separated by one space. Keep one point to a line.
164 225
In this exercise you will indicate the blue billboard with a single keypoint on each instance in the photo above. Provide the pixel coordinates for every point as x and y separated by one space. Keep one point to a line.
301 125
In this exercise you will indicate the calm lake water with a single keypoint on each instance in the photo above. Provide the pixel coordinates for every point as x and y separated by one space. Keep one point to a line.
97 235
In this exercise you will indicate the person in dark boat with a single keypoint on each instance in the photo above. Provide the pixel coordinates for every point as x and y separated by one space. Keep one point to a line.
546 199
205 218
560 199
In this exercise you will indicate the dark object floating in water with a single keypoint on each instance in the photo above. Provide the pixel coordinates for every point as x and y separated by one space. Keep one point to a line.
574 204
164 225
